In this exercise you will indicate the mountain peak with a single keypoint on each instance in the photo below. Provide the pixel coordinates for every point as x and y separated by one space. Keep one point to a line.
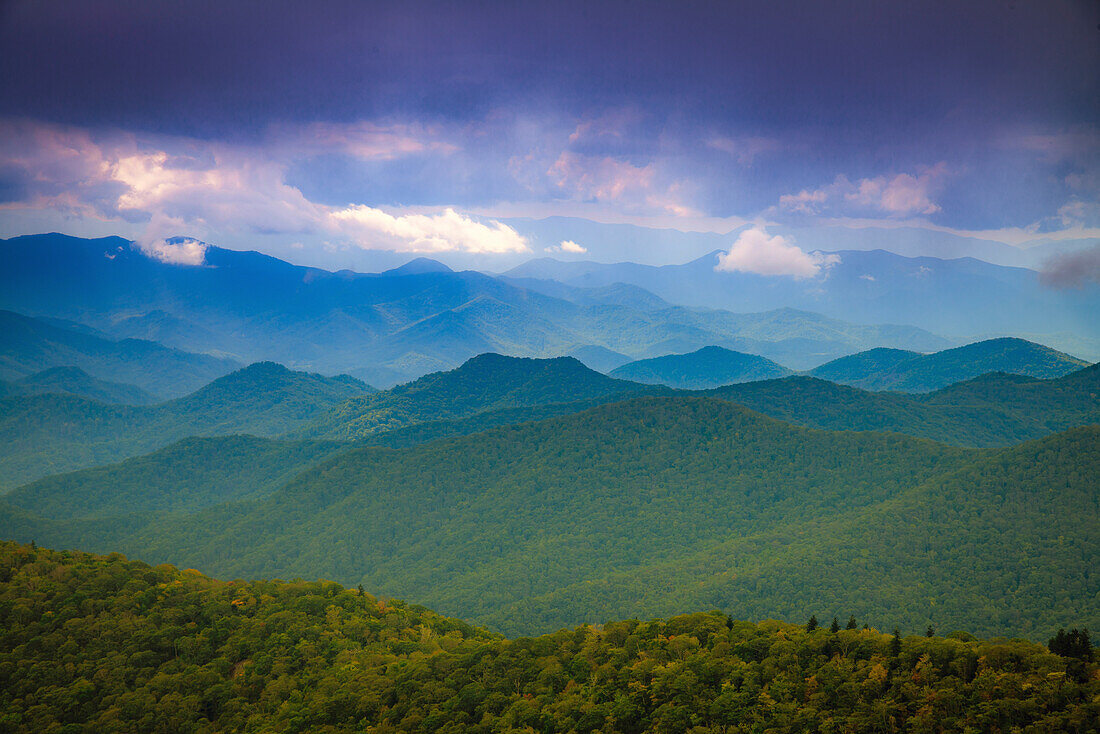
711 366
419 266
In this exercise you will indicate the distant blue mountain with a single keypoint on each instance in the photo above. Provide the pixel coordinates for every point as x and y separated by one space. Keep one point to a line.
960 297
31 346
390 327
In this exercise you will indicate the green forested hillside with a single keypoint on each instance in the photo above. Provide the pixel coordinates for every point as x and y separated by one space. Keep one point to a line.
706 368
882 369
76 381
103 644
488 382
556 522
992 410
184 477
1005 542
854 368
49 434
492 390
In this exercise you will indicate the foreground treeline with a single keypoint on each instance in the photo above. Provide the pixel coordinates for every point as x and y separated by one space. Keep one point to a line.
102 644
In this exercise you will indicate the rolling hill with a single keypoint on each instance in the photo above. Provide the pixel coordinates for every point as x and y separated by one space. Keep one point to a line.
992 410
882 369
522 527
706 368
49 434
186 476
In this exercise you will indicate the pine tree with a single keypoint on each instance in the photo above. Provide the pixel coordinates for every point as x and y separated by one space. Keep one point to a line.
930 632
812 624
835 626
851 623
895 644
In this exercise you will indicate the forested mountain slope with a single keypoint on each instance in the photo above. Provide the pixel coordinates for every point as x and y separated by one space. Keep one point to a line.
1004 542
850 369
175 650
488 382
893 369
991 410
504 527
48 434
186 476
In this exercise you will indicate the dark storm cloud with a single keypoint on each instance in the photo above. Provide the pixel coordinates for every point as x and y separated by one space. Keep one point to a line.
218 67
977 115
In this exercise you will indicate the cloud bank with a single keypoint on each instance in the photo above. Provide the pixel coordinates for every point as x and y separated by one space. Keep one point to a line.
900 195
756 252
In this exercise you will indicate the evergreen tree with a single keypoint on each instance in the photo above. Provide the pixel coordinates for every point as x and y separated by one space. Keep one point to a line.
895 644
812 624
930 632
835 626
851 623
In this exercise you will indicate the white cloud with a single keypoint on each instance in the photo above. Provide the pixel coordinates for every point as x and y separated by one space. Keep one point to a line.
568 246
182 251
867 277
180 185
158 242
900 195
756 252
446 232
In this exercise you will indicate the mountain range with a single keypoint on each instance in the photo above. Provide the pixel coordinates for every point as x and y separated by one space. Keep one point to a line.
897 369
394 326
52 433
31 345
960 297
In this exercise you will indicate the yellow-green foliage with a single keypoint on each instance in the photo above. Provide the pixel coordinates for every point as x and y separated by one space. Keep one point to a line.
102 644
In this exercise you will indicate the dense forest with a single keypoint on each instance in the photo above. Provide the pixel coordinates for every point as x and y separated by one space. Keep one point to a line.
653 506
102 644
903 370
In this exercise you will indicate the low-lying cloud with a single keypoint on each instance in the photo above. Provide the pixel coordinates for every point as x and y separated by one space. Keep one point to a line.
569 247
756 252
446 232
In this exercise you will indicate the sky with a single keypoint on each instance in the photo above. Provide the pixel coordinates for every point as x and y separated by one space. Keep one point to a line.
320 131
